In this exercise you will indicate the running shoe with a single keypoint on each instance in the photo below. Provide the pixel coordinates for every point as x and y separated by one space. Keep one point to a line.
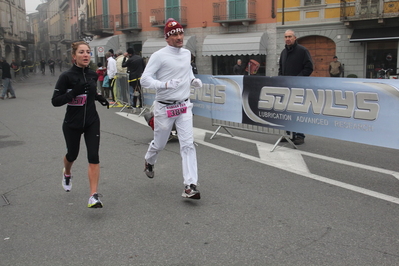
66 181
94 202
191 192
149 170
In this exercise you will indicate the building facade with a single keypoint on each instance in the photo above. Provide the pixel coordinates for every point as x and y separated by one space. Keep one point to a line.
15 36
219 32
363 34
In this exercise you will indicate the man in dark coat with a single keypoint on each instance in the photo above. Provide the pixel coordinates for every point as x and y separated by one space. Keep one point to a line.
295 60
6 76
135 67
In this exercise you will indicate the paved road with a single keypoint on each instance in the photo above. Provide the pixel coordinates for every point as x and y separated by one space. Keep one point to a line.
328 203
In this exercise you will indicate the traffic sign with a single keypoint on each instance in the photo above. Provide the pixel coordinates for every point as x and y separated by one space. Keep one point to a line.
100 51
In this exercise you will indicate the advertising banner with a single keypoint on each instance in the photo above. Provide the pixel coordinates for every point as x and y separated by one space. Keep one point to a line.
357 110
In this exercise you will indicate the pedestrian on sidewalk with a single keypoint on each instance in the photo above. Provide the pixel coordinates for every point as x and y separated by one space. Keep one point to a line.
6 77
77 87
169 73
295 60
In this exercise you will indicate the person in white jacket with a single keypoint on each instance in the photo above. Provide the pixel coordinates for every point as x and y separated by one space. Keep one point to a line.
169 73
111 71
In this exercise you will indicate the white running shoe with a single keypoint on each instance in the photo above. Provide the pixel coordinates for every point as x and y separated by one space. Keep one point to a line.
191 192
94 202
66 181
149 170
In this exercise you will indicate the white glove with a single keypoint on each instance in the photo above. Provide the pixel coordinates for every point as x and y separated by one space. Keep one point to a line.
172 84
196 83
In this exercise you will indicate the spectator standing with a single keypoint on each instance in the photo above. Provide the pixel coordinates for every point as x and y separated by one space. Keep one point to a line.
6 77
119 59
15 68
193 65
101 72
51 65
135 67
335 68
77 88
237 69
112 52
169 73
295 60
24 67
30 65
59 62
111 71
43 66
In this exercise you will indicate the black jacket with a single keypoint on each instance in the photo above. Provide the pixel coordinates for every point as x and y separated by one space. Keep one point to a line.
80 112
135 66
6 70
295 61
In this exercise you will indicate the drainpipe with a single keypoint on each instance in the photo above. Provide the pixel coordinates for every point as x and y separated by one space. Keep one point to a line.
273 9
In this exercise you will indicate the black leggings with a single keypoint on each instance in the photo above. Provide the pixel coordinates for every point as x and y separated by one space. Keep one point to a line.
92 140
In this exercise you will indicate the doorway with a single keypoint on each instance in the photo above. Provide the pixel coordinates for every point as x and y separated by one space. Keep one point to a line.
322 51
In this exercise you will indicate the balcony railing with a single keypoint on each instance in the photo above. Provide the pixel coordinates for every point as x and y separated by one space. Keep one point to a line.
55 38
234 11
160 15
352 10
26 37
100 24
66 38
129 21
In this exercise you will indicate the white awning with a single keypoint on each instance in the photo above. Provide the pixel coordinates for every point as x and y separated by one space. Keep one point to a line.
252 43
111 42
152 45
21 47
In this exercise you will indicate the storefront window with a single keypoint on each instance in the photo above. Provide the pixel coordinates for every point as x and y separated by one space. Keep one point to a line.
381 55
223 65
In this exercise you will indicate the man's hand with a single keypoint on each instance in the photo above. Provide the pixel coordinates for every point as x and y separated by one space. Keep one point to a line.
172 84
196 83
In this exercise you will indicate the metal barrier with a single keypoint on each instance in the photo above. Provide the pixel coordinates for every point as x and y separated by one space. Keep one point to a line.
253 128
121 90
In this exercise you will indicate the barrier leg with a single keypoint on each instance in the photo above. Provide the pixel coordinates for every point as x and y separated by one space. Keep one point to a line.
217 130
143 110
123 108
279 140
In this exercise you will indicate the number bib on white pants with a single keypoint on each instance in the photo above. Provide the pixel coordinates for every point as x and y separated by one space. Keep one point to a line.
176 109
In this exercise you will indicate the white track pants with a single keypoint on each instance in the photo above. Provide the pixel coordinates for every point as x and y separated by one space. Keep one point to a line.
184 126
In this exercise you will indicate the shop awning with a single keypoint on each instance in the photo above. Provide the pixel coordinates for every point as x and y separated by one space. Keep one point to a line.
152 45
111 42
376 34
21 47
235 44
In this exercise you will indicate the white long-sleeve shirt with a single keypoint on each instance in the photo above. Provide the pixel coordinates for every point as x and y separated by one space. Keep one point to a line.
166 64
111 67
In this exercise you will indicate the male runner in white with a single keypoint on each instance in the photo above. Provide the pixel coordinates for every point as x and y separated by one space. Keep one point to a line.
169 73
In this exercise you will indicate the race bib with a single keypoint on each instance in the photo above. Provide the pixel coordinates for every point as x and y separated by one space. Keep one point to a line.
176 109
79 100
